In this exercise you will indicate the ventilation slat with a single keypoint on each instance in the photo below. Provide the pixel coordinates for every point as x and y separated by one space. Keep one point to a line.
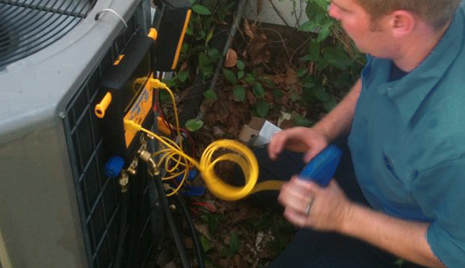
28 26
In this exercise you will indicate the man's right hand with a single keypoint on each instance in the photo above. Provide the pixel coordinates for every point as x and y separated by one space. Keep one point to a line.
298 139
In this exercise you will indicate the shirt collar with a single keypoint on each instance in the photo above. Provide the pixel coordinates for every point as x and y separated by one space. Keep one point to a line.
410 91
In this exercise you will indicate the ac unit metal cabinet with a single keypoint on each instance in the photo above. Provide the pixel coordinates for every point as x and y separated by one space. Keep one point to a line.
57 208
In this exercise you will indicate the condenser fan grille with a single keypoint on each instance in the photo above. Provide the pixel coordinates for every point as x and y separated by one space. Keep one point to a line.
27 26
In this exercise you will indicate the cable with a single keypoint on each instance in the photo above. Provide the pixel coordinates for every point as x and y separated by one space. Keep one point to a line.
97 16
171 221
198 247
122 230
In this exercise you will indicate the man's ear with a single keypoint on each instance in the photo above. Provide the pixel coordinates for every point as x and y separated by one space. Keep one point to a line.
402 23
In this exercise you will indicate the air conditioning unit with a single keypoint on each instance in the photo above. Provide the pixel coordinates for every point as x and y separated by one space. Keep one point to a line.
57 206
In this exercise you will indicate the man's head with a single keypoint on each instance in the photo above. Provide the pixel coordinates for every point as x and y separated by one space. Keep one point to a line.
436 13
386 28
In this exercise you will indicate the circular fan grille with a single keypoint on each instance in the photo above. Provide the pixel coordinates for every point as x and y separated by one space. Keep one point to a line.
27 26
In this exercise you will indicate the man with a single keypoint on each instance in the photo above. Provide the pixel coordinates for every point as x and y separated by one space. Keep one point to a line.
406 123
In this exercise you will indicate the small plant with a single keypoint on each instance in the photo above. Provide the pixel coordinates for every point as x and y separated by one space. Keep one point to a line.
333 60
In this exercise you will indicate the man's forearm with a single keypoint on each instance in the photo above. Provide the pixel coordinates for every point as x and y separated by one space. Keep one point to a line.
339 121
400 237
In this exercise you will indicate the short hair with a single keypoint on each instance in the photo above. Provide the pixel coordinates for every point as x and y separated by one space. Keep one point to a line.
436 13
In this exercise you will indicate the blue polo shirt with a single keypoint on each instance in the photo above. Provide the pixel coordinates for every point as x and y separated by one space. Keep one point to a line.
408 142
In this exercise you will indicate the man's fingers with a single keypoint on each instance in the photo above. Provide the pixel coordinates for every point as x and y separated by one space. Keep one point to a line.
295 217
295 195
276 145
314 150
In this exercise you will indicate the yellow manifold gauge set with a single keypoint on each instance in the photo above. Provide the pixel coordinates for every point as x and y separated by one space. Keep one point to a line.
127 95
125 112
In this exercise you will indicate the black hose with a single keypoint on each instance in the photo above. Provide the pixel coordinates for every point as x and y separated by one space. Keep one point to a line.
134 222
169 216
122 230
195 238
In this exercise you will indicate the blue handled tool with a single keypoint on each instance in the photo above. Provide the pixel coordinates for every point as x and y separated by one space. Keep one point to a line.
323 166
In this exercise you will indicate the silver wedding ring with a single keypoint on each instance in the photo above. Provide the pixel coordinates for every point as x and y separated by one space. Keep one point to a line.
308 207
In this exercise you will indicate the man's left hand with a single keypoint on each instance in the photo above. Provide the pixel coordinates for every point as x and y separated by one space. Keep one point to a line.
309 205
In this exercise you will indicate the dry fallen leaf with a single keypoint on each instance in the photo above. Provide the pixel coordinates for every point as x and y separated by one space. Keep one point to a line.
247 29
287 124
203 229
217 131
258 49
291 76
231 58
184 66
251 99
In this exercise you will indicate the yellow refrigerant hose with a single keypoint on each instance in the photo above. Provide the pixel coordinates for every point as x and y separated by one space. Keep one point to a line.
235 152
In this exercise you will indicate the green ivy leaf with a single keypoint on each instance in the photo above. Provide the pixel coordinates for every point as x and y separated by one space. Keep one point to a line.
308 82
230 76
399 262
204 60
330 104
164 97
206 245
184 48
239 93
315 8
201 10
295 96
201 35
314 49
234 243
240 74
190 30
337 58
240 65
210 94
262 108
324 32
182 76
258 90
321 94
268 82
308 26
323 4
207 72
302 121
214 54
210 35
250 79
194 124
301 72
320 18
278 94
233 246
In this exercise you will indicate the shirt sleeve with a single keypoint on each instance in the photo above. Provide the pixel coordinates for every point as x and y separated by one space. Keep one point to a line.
440 192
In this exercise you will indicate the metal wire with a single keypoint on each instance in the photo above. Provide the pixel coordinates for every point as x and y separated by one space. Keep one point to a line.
28 26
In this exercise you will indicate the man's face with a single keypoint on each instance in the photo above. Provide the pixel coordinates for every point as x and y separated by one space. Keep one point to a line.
368 36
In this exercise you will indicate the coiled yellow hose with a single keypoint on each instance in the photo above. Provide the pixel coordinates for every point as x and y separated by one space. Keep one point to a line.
239 154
